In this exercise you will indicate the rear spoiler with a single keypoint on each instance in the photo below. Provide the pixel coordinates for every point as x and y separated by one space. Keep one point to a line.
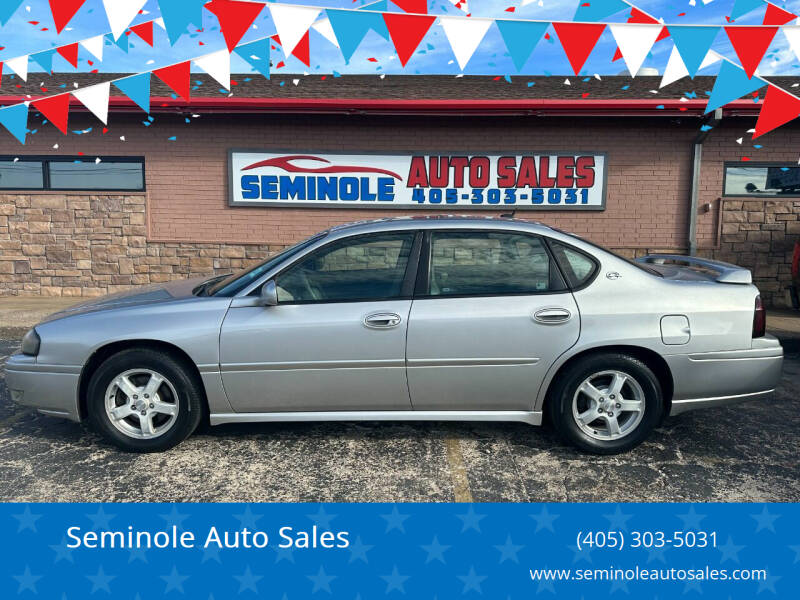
725 272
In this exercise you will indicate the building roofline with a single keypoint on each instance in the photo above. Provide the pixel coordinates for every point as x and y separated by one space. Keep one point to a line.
651 107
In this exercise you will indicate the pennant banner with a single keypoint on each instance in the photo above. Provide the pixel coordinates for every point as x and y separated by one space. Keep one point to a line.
256 54
178 78
750 44
464 36
634 42
676 70
693 44
578 41
95 98
63 11
407 32
350 28
235 18
779 108
15 119
137 88
55 109
731 84
217 65
520 39
120 13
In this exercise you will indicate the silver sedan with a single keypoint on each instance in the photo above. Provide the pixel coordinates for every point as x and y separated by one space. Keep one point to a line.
440 318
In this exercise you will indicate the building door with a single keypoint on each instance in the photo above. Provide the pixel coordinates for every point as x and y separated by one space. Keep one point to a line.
335 341
492 316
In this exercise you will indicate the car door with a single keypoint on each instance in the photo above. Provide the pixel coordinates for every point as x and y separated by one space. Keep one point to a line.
490 316
336 339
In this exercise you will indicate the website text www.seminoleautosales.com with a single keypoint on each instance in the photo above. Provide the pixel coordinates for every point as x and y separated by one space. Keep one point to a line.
655 574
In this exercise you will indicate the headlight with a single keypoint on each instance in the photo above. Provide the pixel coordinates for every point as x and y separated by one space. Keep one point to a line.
30 343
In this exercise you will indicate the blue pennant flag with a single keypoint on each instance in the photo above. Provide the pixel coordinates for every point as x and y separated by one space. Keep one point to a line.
742 7
350 28
137 88
521 38
597 10
179 14
731 84
44 59
7 9
15 119
122 41
256 54
693 43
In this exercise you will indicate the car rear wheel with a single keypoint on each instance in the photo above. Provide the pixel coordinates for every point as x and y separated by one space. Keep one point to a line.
606 403
144 400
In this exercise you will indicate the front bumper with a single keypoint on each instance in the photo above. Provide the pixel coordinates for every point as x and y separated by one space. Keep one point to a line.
51 389
716 378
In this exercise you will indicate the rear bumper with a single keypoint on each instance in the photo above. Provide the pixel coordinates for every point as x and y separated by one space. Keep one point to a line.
716 378
52 390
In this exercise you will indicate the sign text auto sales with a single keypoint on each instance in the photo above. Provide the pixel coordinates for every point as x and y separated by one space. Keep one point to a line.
527 181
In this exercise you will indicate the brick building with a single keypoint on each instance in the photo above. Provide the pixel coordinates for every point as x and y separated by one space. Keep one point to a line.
668 185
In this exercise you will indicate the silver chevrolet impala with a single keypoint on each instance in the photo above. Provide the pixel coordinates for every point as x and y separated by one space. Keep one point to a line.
434 318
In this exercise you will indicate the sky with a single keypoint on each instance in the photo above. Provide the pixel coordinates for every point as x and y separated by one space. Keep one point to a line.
375 55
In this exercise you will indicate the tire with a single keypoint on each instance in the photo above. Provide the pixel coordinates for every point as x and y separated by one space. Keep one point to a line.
584 389
172 411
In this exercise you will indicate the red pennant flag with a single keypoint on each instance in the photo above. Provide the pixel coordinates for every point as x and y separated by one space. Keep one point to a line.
178 77
617 55
777 16
663 35
144 31
578 41
56 110
751 44
407 32
303 50
638 16
70 53
779 107
235 18
413 6
63 11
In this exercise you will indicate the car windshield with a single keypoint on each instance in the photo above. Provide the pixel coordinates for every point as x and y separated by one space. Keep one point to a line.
638 265
235 283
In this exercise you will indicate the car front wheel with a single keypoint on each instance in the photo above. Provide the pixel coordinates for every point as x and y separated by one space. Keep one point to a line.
606 403
144 400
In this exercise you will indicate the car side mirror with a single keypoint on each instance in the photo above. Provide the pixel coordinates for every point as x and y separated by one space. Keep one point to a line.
269 293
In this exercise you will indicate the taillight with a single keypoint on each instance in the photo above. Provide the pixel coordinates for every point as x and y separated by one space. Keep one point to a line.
759 319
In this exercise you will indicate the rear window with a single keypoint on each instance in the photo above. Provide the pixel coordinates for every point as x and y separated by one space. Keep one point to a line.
578 268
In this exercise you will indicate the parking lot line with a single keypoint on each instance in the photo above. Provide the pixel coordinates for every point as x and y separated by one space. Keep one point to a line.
458 471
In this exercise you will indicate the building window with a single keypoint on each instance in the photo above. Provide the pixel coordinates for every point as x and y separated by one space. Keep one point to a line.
72 173
761 179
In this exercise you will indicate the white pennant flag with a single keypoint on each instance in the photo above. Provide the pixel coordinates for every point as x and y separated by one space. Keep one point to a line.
218 65
19 65
464 36
634 41
95 98
324 28
95 46
292 23
793 37
120 13
676 69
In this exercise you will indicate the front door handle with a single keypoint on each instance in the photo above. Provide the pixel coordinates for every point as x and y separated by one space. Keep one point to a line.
382 320
552 315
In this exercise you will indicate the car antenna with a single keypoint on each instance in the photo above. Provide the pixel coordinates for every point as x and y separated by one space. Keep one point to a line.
508 215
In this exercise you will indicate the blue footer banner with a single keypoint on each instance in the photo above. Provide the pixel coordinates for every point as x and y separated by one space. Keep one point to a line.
368 551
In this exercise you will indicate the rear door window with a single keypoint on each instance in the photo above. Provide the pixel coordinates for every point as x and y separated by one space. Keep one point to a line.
489 264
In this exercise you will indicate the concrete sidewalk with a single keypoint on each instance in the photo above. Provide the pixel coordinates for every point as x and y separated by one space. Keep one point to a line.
20 313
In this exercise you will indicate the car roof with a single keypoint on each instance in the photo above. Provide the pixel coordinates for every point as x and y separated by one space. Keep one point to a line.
438 222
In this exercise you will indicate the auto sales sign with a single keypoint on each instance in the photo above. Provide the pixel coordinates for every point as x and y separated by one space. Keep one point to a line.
445 180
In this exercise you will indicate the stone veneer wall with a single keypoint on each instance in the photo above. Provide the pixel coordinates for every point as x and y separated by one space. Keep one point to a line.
760 235
77 245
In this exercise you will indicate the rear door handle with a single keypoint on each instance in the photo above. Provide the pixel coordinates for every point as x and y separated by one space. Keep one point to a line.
552 315
382 320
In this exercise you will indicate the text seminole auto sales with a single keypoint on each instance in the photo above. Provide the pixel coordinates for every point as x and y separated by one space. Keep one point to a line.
131 538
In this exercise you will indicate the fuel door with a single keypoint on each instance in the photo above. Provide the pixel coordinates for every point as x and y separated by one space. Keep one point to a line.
675 330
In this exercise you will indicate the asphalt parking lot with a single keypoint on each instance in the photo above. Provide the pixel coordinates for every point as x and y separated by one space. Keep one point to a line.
746 452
